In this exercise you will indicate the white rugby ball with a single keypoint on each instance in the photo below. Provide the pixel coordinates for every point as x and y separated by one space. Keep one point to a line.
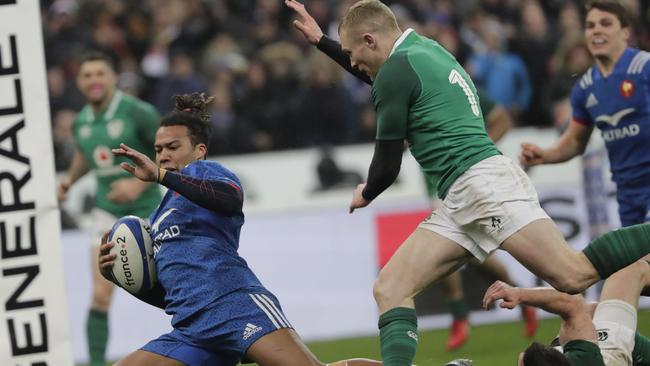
134 269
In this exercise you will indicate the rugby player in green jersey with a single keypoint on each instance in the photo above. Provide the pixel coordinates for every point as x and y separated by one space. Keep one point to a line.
590 334
422 95
109 118
497 122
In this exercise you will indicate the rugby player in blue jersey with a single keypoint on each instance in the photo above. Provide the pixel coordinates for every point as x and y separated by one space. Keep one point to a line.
613 95
221 313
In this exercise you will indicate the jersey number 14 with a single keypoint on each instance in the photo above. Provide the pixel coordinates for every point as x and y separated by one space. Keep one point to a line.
456 78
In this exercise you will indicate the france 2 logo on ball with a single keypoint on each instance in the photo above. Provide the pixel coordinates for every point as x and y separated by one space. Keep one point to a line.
134 269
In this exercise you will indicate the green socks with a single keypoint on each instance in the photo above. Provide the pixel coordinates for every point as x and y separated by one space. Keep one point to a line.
641 352
398 335
458 309
618 248
97 336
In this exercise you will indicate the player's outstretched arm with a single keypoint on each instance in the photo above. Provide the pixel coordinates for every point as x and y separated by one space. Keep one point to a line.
305 23
312 32
573 142
571 308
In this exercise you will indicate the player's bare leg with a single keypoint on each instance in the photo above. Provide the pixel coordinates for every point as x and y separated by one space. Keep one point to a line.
282 347
459 330
144 358
424 258
541 248
628 283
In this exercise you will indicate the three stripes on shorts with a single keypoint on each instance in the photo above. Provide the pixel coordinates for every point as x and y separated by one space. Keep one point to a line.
268 307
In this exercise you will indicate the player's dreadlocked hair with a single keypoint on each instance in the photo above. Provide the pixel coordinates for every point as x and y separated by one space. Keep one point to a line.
191 111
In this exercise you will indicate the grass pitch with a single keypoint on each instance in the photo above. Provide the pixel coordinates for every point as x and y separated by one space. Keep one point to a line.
488 345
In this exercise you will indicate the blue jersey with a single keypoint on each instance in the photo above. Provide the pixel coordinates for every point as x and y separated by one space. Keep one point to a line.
195 249
619 105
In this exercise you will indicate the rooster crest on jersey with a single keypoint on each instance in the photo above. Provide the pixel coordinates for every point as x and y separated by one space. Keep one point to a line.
134 269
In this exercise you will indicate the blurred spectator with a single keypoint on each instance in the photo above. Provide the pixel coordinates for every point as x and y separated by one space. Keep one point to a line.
570 61
248 50
534 44
325 109
182 79
502 74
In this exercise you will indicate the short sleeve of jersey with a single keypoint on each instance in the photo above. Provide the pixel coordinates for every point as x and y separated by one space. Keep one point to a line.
583 353
578 105
393 91
211 170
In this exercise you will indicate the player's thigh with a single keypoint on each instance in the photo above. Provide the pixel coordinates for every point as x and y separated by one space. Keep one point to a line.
541 248
144 358
424 258
282 347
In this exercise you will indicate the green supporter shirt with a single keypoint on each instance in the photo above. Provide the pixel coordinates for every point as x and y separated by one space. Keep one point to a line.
583 353
126 120
423 95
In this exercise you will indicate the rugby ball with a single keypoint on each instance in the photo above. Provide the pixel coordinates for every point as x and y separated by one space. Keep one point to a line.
134 269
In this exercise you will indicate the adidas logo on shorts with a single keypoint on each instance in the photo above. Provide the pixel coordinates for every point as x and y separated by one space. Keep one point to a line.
250 330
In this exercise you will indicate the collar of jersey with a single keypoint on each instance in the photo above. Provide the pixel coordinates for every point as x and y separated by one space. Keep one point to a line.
110 110
400 40
621 64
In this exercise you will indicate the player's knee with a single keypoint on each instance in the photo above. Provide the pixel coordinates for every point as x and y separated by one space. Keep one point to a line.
381 290
101 301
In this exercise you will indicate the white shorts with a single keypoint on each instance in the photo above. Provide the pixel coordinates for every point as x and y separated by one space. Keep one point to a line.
487 204
100 222
615 323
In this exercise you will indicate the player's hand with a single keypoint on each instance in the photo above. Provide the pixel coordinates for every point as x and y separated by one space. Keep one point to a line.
501 291
357 198
106 260
62 189
143 168
125 190
531 155
306 23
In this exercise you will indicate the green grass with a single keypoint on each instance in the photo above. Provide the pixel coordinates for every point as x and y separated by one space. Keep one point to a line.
488 345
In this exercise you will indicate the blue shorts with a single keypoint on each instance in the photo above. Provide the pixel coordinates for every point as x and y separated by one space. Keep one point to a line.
633 207
220 334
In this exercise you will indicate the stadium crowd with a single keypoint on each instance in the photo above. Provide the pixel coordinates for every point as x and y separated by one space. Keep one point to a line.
273 91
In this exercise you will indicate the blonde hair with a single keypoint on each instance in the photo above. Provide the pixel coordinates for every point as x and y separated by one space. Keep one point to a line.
369 16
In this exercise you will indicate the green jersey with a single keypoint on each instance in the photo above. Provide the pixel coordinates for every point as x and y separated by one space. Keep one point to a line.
583 353
487 105
423 95
126 120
